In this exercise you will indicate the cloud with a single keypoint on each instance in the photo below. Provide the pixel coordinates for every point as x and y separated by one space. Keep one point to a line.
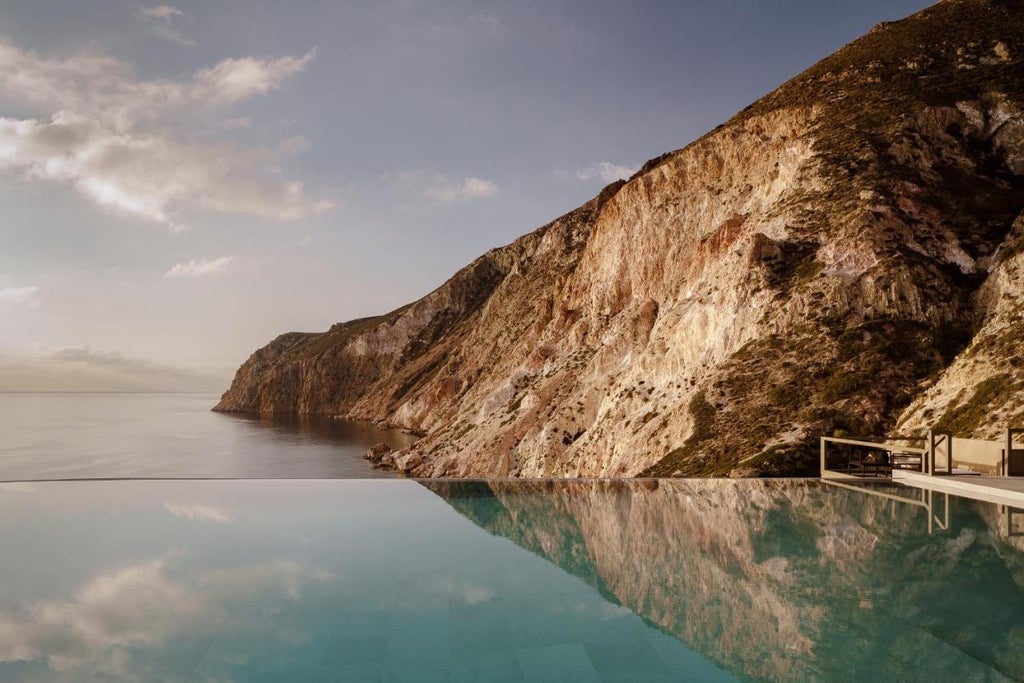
161 22
114 615
233 80
201 267
162 12
172 34
488 21
470 188
82 369
198 512
98 85
107 135
237 122
439 188
291 146
18 296
606 171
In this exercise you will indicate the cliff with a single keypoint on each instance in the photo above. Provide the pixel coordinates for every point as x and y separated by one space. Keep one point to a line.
844 254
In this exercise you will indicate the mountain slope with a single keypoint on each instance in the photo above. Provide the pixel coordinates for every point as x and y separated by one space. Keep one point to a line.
820 262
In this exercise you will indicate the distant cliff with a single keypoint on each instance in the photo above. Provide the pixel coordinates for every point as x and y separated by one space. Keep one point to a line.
844 254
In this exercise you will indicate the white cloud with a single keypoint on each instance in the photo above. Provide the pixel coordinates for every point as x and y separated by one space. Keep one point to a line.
439 188
470 188
161 21
114 615
162 12
488 21
233 80
19 296
201 267
107 136
606 171
198 512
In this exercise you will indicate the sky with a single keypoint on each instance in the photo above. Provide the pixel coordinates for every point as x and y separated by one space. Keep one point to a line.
181 183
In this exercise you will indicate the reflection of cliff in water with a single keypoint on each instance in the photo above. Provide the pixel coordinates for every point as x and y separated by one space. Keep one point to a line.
781 580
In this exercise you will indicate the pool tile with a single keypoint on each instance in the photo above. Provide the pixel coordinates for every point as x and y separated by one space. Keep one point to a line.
423 672
557 664
359 673
356 650
683 662
543 629
480 629
633 654
496 668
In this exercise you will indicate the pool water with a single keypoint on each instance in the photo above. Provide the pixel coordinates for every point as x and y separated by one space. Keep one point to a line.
390 580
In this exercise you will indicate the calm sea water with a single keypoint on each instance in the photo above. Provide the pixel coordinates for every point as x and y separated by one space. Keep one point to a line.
57 436
399 580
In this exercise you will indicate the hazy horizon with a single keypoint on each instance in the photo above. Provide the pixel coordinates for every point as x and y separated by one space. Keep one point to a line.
182 183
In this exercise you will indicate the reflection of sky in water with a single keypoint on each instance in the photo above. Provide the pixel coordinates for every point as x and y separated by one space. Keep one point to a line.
293 580
424 581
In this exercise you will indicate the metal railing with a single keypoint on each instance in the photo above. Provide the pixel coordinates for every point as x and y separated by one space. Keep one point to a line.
936 457
902 457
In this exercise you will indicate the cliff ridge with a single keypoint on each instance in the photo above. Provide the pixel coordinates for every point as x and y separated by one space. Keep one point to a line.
844 254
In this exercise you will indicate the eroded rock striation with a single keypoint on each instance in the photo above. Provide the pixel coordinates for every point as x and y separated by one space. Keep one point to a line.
844 254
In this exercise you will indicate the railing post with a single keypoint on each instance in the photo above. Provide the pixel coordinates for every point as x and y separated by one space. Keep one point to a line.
936 442
1008 453
929 455
823 456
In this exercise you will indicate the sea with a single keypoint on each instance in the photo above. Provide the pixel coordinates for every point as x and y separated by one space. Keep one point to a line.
174 435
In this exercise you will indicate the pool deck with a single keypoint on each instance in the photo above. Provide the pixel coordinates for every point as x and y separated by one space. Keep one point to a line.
999 490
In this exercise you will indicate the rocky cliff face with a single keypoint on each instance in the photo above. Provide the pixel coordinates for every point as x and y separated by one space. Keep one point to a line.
841 255
782 581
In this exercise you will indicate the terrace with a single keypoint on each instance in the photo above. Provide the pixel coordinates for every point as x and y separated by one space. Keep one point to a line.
991 471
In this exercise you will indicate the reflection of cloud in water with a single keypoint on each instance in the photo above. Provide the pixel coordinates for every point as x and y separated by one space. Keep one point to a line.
135 607
198 512
605 611
283 576
468 593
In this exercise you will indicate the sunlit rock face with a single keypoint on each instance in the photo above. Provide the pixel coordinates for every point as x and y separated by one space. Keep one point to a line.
839 254
782 581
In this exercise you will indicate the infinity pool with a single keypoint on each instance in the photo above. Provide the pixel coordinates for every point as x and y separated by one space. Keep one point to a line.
388 580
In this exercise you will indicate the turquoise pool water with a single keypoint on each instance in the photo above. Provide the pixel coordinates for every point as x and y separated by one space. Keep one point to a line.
388 580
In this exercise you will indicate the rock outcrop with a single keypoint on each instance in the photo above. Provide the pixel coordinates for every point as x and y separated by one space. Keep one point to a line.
844 254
